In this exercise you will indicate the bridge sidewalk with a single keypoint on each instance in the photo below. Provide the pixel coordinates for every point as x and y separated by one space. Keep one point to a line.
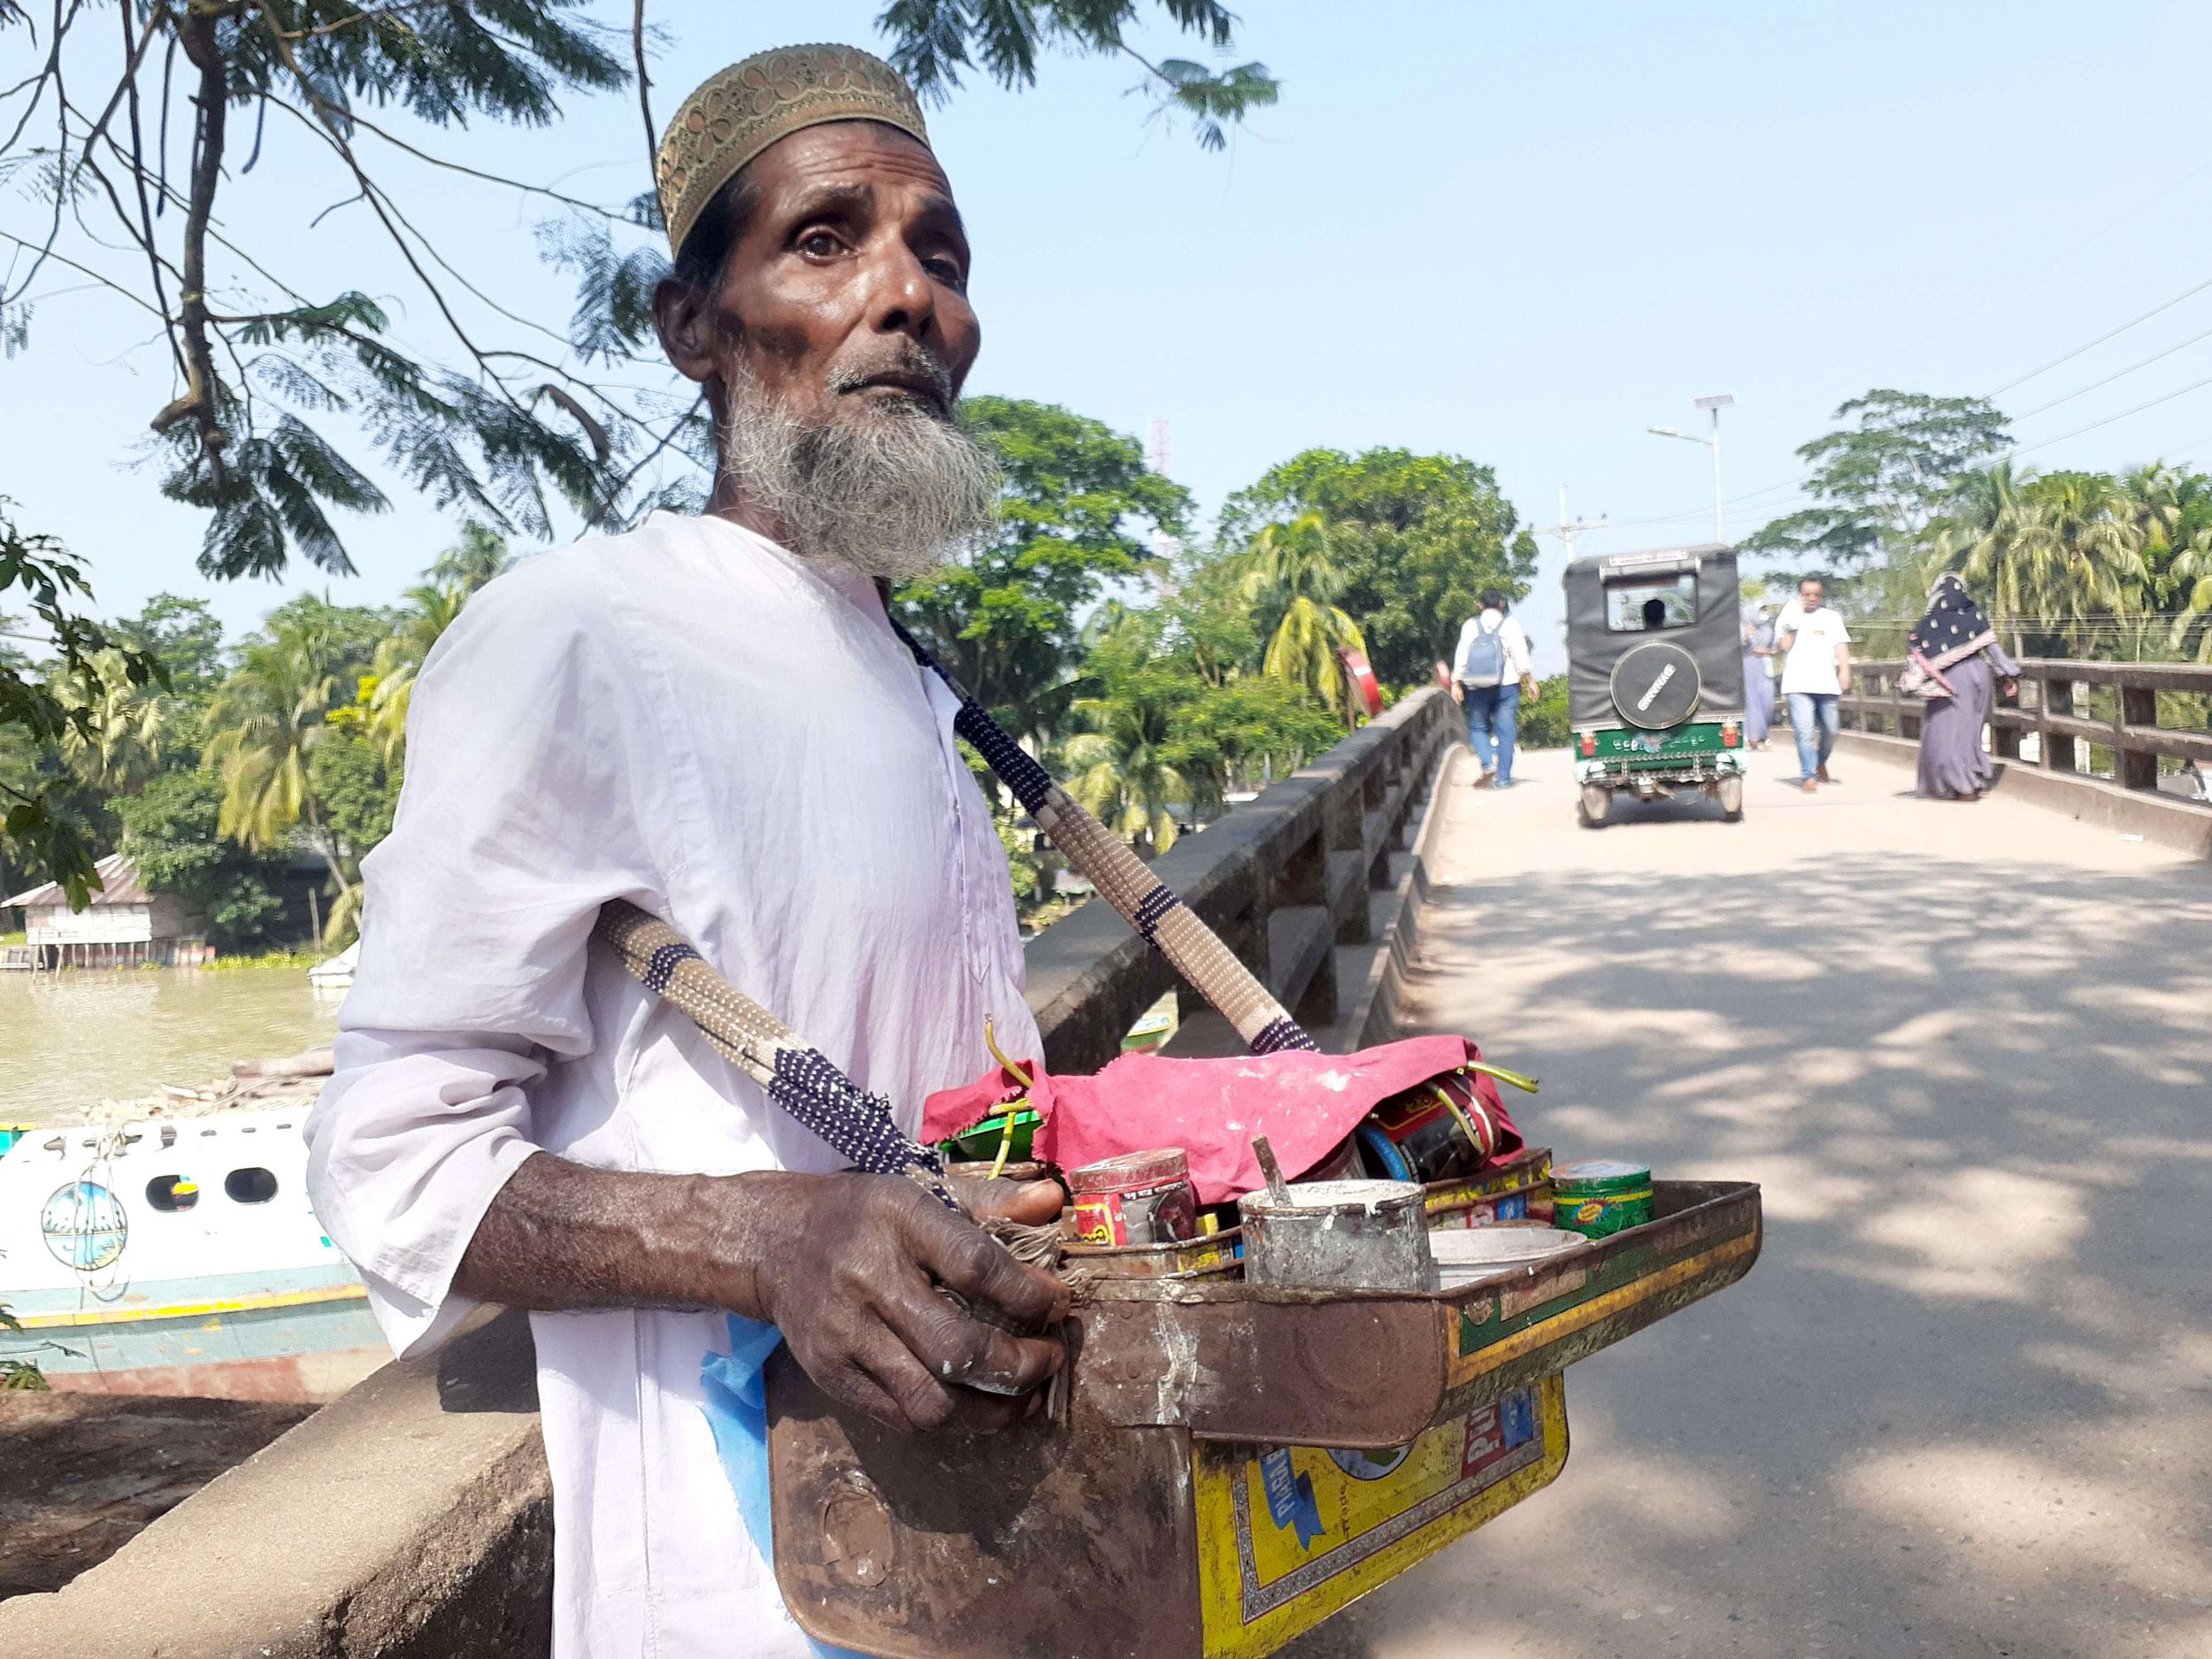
1961 1407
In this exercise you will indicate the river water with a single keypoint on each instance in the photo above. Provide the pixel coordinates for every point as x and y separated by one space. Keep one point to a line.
69 1041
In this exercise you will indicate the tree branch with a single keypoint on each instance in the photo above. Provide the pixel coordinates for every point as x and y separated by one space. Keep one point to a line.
134 55
51 71
196 34
622 485
644 87
85 269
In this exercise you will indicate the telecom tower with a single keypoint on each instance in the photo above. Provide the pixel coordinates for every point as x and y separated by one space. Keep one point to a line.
1165 547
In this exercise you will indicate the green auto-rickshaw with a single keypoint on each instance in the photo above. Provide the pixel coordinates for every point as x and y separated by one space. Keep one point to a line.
1655 677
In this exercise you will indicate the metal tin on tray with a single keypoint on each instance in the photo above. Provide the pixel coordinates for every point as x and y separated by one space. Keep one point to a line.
1431 1131
1141 1198
1598 1197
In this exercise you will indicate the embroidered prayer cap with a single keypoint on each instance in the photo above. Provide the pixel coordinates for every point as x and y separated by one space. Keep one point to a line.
738 113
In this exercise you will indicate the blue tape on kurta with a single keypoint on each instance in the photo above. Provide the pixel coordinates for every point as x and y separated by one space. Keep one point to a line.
737 1410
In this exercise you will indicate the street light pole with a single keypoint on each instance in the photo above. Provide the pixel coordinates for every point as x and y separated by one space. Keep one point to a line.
1720 401
1716 403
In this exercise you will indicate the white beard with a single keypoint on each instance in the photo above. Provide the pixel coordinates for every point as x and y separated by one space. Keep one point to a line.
894 490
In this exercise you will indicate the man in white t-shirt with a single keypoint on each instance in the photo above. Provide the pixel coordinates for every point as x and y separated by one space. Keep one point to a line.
1815 649
1490 675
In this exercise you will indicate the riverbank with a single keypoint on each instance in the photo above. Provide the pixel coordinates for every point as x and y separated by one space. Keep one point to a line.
70 1041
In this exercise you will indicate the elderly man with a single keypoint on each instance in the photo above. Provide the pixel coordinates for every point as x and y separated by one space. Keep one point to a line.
711 718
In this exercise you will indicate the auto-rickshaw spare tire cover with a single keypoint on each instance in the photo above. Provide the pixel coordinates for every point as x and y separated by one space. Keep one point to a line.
1656 685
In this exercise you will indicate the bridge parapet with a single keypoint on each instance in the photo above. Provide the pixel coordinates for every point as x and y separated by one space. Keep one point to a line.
2073 708
412 1518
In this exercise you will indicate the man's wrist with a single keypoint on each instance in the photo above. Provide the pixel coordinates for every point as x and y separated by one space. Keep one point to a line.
563 1235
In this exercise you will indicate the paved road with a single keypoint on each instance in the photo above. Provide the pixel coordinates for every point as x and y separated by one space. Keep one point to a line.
1963 1404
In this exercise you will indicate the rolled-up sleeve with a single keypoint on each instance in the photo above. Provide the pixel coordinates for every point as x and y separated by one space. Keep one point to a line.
527 805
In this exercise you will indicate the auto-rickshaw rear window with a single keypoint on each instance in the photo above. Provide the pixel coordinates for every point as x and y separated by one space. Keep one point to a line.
1648 605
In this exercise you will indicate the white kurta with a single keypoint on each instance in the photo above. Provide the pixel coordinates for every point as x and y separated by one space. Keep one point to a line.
694 720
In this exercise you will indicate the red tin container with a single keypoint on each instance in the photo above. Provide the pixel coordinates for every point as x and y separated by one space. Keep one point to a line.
1141 1198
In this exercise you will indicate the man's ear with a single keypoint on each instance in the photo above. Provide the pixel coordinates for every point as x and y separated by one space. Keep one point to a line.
684 316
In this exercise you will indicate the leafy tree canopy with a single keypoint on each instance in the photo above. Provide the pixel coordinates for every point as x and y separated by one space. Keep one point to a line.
1077 501
1877 481
169 828
279 397
38 832
1414 538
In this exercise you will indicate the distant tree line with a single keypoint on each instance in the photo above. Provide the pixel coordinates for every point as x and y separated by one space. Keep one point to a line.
1159 671
2115 565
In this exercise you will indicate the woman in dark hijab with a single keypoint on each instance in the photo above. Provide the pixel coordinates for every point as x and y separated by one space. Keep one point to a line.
1956 662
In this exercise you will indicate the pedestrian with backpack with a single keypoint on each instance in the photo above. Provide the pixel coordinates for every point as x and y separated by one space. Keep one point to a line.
1490 675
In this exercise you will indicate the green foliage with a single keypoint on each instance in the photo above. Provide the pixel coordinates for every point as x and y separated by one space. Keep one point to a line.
170 829
278 398
1004 618
1415 539
1543 722
40 831
182 635
1160 735
1293 580
1878 481
1246 734
934 39
356 786
19 1376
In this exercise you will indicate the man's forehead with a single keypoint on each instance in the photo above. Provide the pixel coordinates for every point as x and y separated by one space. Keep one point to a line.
859 153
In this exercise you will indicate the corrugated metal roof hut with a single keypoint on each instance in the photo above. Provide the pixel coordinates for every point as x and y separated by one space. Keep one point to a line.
125 924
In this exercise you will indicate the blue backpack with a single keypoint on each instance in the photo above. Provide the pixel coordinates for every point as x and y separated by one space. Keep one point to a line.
1486 656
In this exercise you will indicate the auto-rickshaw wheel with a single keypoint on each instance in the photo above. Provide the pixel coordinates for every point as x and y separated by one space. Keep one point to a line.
1729 793
1597 805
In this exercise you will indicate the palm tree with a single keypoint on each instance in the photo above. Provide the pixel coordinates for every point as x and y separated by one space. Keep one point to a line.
479 554
1123 769
118 746
2059 553
432 608
264 725
1293 578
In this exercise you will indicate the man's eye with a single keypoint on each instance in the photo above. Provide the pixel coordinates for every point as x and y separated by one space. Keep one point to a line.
819 244
948 271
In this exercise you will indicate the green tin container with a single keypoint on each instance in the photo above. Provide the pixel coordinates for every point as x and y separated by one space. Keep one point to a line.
1598 1197
981 1144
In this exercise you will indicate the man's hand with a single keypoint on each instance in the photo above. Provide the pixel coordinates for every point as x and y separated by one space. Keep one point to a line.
857 1297
1530 689
848 1266
1458 696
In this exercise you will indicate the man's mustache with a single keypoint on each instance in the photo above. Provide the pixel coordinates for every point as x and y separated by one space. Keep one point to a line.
907 365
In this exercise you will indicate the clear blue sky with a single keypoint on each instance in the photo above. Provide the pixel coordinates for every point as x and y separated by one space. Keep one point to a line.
1521 234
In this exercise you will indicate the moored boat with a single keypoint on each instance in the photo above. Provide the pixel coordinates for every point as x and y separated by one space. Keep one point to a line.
169 1247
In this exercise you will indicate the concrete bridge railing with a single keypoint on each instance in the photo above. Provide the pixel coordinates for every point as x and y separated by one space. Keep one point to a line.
412 1518
2055 708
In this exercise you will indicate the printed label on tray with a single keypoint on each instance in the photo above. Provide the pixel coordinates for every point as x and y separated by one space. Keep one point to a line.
1304 1515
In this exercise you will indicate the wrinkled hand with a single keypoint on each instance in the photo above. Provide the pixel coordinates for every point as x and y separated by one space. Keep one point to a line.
855 1295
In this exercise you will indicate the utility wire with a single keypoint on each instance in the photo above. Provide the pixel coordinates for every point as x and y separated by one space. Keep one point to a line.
2113 334
2168 397
2118 374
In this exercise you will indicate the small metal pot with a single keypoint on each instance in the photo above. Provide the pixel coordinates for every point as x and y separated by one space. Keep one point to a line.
1341 1235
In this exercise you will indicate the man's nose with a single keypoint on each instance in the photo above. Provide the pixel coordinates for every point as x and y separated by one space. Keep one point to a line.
902 299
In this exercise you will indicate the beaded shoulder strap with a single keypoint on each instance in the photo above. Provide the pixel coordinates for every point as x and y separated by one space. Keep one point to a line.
1145 902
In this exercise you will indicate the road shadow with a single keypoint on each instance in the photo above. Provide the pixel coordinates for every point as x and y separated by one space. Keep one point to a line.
1963 1404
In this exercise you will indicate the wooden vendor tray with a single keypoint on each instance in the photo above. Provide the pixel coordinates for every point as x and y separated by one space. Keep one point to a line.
1225 1465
